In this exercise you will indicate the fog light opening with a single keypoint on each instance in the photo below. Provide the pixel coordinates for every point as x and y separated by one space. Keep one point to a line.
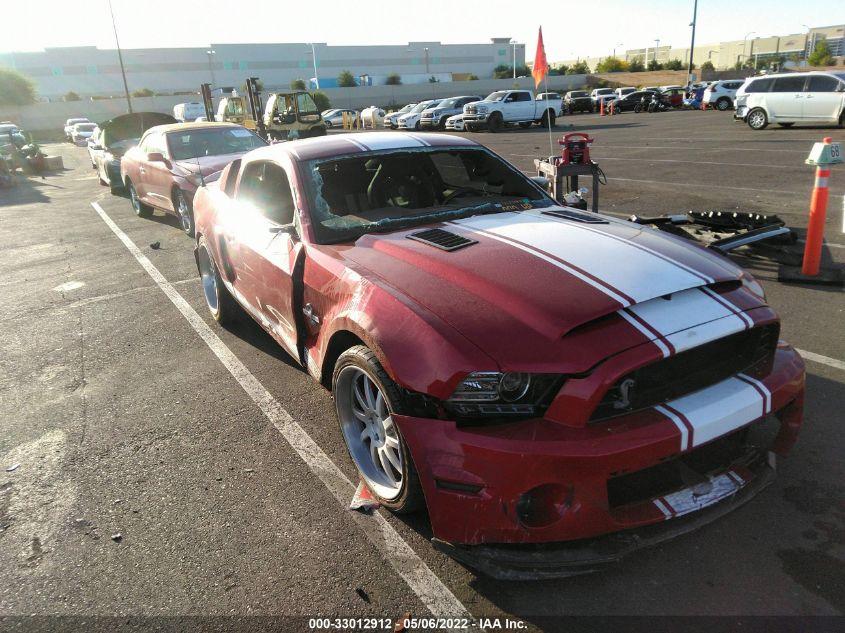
544 505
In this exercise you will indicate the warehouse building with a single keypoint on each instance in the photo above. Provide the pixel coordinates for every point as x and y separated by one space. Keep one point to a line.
90 71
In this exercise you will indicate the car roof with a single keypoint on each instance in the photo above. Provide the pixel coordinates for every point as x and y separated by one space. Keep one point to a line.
355 143
192 125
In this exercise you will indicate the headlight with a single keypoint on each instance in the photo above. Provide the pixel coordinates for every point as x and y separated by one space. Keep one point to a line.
481 109
492 394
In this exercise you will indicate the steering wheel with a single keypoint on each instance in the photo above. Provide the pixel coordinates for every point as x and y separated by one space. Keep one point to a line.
461 191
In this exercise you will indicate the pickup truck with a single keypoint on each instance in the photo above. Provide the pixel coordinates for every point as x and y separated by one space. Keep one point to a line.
508 107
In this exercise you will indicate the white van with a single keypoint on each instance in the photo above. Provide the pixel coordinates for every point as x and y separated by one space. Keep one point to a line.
790 98
186 112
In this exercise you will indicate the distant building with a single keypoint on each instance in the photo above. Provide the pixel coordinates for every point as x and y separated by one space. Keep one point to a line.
725 55
90 71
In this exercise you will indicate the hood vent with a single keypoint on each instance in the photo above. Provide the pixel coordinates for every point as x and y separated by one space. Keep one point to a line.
578 216
442 239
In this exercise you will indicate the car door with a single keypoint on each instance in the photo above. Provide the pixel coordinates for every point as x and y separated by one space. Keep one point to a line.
785 102
155 174
823 98
268 249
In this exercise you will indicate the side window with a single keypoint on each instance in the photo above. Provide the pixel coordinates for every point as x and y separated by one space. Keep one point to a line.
523 96
733 85
789 84
759 85
266 187
822 83
230 177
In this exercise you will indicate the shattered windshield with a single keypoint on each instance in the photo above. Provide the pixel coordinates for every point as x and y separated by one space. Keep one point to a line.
374 192
190 143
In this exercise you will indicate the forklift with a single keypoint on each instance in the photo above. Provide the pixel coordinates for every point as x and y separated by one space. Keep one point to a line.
286 116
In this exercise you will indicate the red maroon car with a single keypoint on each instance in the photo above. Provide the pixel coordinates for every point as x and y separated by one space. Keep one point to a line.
556 387
169 163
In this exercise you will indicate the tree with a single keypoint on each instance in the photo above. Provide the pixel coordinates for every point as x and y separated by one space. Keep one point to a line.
636 66
15 88
674 64
503 71
71 96
346 80
143 92
611 65
821 55
472 78
558 70
708 65
298 84
393 79
321 100
653 64
578 68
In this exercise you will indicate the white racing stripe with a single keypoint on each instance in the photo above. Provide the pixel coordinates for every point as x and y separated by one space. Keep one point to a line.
376 141
680 424
717 410
413 570
630 270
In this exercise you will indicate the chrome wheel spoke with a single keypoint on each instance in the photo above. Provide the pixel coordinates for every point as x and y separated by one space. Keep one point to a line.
368 391
380 408
391 442
393 457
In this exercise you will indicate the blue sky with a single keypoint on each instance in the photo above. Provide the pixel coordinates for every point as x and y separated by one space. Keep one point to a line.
582 28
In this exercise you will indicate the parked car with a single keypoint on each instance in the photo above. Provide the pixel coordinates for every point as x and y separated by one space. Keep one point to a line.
391 119
189 111
95 148
577 101
720 94
673 96
69 126
790 98
434 117
631 100
411 275
411 119
455 122
335 117
621 92
672 87
508 107
81 132
171 162
117 136
599 94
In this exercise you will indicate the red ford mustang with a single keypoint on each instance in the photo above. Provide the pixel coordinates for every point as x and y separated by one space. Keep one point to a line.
557 387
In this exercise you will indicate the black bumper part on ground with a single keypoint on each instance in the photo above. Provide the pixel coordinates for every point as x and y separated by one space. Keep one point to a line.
545 561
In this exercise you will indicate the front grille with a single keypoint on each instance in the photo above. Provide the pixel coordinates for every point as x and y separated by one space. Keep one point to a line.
750 351
442 239
746 447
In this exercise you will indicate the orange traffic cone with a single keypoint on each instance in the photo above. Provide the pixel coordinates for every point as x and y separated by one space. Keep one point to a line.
601 107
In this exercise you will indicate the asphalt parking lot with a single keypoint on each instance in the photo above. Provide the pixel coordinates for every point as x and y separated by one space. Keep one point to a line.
150 483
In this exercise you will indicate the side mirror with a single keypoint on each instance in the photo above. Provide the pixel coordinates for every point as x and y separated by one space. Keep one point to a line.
156 157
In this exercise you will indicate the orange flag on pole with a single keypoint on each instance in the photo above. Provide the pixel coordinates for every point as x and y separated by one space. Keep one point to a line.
541 66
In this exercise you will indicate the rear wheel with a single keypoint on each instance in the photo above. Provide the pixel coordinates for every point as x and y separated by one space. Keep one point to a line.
548 118
223 307
366 399
141 210
723 104
757 119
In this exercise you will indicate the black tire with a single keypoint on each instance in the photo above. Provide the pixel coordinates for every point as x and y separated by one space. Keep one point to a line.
417 126
548 119
494 123
184 211
469 127
723 104
442 124
142 210
786 124
757 119
410 498
224 309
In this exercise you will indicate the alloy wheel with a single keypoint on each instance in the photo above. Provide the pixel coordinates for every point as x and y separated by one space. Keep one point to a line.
369 431
209 280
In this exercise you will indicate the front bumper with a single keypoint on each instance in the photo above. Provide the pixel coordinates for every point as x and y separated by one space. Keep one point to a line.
539 482
740 112
429 123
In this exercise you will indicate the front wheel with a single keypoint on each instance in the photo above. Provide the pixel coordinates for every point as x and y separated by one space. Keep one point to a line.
366 399
757 119
141 210
186 214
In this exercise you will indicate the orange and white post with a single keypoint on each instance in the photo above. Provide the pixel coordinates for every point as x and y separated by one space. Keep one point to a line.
818 208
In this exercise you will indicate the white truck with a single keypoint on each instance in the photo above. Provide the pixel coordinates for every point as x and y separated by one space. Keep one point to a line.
510 107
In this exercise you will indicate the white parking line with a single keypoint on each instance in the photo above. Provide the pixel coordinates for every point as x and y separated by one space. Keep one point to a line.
824 360
646 159
708 186
413 570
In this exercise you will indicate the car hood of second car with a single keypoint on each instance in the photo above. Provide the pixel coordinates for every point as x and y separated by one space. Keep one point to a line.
206 164
530 280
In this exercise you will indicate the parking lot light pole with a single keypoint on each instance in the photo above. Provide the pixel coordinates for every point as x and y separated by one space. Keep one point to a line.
692 42
314 59
120 58
744 41
513 43
210 52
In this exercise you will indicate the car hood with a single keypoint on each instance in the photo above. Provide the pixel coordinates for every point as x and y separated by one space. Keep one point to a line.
529 284
206 164
131 126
